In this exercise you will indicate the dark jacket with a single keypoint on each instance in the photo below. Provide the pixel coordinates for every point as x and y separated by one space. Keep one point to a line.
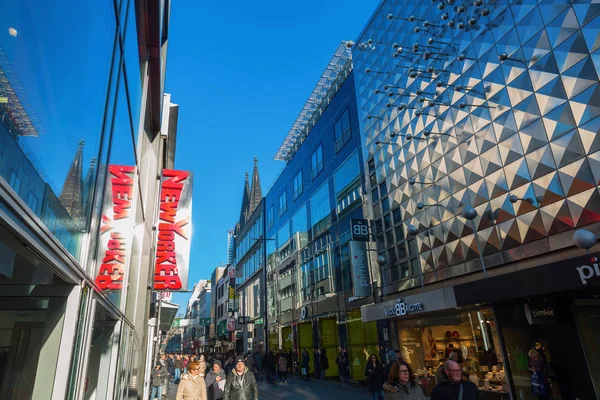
241 387
228 367
306 362
212 386
159 375
374 374
324 361
450 391
178 363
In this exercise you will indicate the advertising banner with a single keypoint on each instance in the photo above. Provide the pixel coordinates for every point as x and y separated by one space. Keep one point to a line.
231 299
174 231
230 324
359 264
116 231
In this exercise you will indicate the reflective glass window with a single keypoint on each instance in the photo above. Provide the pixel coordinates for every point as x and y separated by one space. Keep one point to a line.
298 189
342 131
300 226
317 161
54 71
270 213
132 68
347 183
320 210
283 202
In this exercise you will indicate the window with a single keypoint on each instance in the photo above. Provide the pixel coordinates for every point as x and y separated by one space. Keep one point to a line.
14 181
317 161
320 210
300 226
283 202
375 195
32 202
270 217
347 183
298 189
342 131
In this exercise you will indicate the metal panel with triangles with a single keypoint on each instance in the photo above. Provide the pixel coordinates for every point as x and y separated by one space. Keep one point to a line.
465 104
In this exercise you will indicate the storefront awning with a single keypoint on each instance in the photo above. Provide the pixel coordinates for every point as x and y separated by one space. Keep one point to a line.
167 315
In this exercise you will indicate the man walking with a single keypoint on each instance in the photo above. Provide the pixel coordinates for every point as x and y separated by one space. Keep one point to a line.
240 383
455 388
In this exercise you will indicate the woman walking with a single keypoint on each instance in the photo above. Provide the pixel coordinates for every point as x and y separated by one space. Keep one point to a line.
305 364
282 367
191 385
374 374
401 384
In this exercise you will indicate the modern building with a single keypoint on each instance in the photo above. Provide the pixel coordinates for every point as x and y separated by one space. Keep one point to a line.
309 209
480 138
74 313
249 263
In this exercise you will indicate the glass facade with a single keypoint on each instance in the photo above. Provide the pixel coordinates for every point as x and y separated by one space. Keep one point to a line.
320 210
60 100
487 107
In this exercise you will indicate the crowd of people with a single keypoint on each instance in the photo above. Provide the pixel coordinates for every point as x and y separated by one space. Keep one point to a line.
393 379
234 377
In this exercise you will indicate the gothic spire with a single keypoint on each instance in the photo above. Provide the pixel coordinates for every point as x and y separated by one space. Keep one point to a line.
245 203
71 196
256 191
88 184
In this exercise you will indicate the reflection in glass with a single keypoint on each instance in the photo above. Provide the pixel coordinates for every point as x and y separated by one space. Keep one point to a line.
300 227
347 183
320 208
54 74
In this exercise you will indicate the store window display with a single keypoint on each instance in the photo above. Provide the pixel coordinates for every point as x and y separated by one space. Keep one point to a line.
469 338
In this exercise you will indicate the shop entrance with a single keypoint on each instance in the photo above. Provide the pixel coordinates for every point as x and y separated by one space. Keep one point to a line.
32 307
329 345
587 314
547 341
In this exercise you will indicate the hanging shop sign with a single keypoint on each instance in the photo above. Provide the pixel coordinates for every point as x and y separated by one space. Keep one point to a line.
303 312
231 273
360 229
116 231
174 231
540 311
230 324
359 263
231 299
242 320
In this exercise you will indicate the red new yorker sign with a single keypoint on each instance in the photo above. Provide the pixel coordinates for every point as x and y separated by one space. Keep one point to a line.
116 231
174 231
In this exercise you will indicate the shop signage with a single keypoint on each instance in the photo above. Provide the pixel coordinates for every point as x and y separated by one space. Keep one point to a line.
401 308
116 231
303 312
242 320
259 321
359 263
230 324
174 234
231 299
537 312
204 321
166 296
355 298
360 229
231 272
588 272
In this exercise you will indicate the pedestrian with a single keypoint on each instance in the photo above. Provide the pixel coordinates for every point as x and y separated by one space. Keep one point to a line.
402 385
282 368
250 361
191 385
305 365
455 387
178 365
270 365
228 367
392 357
374 374
186 361
171 365
317 362
240 383
215 382
539 375
324 363
158 380
440 375
202 363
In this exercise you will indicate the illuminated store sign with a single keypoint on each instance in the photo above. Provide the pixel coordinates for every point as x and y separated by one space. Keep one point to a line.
116 231
587 272
174 234
401 308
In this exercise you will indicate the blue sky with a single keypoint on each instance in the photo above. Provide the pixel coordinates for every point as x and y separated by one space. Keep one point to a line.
240 72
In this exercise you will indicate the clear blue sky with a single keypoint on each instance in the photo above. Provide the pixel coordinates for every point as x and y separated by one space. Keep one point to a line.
240 72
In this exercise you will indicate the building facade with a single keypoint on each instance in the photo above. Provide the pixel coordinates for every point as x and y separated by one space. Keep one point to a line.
215 278
249 263
198 311
80 129
310 301
480 140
